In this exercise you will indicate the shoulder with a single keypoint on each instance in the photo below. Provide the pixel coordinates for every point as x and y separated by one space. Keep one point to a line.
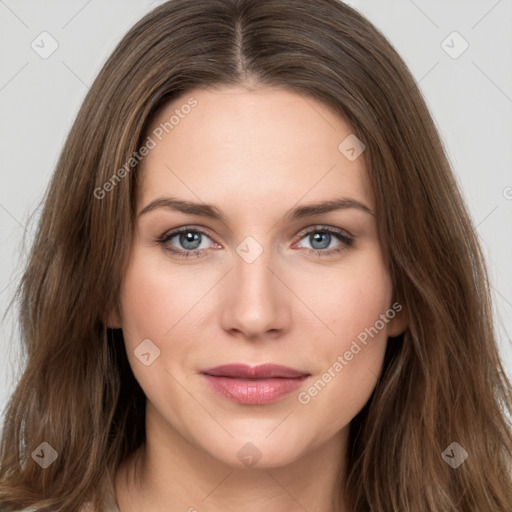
110 506
85 508
24 510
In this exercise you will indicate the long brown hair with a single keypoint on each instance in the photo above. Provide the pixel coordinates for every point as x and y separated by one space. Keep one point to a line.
442 380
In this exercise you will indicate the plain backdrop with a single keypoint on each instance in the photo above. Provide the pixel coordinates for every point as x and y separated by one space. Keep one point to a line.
459 51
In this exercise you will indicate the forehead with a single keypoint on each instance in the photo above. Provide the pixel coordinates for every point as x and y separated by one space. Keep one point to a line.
261 147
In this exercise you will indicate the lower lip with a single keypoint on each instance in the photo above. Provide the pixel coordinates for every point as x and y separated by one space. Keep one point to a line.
254 391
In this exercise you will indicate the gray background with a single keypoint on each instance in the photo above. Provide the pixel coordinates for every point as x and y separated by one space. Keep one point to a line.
470 98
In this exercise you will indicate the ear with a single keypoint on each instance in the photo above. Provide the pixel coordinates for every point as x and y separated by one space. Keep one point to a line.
399 322
114 319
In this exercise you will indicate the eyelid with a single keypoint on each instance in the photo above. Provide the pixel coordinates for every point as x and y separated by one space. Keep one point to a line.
324 227
171 233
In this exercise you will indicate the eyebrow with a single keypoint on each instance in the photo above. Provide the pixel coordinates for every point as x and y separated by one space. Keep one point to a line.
211 211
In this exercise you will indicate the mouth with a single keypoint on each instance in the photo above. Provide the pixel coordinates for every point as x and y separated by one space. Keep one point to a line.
254 385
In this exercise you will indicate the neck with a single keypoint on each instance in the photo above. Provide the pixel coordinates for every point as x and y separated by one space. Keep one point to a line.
170 473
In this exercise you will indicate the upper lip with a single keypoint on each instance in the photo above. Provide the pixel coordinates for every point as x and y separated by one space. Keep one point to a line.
243 371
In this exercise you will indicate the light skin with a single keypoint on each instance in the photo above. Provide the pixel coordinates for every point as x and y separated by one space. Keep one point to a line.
255 154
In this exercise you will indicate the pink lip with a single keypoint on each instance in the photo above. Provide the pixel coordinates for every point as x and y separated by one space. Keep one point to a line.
254 385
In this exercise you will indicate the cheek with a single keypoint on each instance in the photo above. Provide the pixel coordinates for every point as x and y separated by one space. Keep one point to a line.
152 302
349 358
353 301
162 304
152 298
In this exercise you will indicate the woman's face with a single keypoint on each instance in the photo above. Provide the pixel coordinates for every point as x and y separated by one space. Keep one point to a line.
266 281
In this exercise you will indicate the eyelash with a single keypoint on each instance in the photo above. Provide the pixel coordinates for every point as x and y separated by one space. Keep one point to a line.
345 239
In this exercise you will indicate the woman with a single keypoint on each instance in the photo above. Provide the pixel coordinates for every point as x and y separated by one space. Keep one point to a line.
255 284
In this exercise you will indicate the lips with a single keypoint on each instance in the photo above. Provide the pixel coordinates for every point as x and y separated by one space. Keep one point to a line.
264 371
254 385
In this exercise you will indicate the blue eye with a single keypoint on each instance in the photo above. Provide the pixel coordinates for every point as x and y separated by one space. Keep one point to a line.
321 238
191 240
188 238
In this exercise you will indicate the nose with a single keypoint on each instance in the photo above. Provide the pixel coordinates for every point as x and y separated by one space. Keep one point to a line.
256 303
